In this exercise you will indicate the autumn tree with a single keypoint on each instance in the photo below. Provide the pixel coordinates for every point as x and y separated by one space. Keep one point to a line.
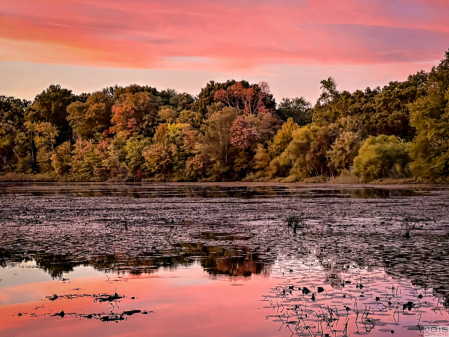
207 96
92 116
251 99
134 113
343 151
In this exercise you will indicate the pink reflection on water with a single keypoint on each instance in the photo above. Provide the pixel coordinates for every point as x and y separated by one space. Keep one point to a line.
185 302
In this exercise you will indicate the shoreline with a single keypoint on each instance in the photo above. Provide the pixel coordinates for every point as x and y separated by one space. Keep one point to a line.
301 185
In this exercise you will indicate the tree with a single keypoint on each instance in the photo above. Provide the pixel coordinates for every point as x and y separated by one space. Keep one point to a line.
305 155
44 136
391 115
344 150
134 89
430 117
207 96
135 160
216 144
166 158
134 113
251 99
382 156
167 114
11 124
113 156
261 158
61 159
188 117
87 160
249 130
372 111
243 132
86 119
50 106
282 138
181 101
299 109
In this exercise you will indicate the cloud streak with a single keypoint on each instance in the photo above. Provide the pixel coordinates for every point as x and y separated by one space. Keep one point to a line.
233 35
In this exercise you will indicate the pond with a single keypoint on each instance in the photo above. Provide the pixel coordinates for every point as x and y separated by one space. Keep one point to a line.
222 260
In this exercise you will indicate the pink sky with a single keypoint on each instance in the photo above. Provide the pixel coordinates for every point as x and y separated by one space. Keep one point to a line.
292 44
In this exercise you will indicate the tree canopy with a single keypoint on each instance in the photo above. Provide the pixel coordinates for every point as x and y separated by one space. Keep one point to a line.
232 130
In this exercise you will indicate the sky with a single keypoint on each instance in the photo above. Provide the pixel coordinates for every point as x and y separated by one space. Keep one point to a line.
85 45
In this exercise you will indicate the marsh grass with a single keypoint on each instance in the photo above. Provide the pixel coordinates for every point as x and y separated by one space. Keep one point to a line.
296 221
347 177
407 226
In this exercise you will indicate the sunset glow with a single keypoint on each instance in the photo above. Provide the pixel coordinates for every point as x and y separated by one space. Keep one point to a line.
299 41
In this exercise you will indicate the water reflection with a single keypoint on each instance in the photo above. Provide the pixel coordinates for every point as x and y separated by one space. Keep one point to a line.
216 260
303 297
207 265
153 190
172 302
312 301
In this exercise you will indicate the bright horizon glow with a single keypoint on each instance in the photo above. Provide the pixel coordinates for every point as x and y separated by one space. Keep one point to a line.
291 44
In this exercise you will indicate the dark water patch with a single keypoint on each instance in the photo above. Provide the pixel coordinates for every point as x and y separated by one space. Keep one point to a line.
223 236
142 190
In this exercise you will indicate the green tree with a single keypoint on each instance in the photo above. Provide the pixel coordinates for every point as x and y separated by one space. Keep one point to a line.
61 159
87 160
216 145
305 155
344 150
134 154
44 136
50 106
391 115
299 109
282 138
430 117
11 125
382 156
166 158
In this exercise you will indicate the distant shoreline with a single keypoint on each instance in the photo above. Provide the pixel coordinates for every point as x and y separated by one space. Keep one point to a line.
378 184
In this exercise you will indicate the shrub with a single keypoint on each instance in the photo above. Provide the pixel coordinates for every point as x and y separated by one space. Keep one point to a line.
382 156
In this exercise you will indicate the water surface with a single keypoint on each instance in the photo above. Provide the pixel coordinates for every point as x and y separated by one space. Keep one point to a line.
193 260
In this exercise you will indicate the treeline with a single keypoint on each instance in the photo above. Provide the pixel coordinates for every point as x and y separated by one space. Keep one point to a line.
230 131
